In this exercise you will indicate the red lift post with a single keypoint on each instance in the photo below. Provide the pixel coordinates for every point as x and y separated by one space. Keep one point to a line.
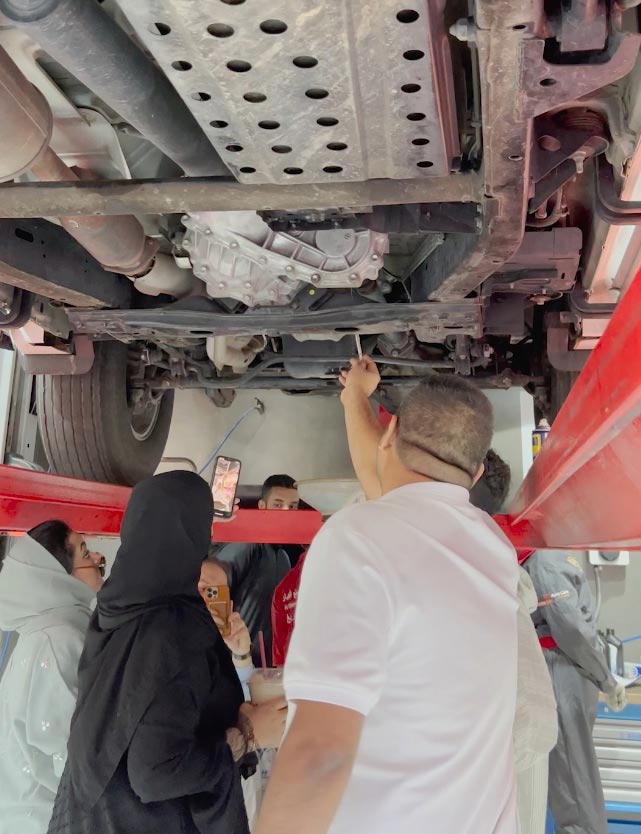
584 490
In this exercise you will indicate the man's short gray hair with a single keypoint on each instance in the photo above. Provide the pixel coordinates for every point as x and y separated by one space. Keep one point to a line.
445 428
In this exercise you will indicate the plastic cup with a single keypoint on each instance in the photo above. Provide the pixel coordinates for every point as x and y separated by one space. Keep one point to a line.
266 685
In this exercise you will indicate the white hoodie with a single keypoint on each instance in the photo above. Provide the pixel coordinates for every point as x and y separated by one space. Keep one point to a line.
50 611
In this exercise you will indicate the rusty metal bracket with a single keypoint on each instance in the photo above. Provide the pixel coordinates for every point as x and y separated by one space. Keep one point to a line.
518 85
558 350
55 362
45 199
197 318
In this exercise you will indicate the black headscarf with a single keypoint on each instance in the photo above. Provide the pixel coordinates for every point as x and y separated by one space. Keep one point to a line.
148 623
165 535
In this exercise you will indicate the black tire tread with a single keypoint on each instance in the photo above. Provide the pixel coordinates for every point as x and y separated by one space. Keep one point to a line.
78 414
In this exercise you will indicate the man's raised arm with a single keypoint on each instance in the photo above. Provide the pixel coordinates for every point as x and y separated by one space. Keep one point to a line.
363 428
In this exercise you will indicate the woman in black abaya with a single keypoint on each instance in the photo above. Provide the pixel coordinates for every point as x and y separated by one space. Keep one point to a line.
158 698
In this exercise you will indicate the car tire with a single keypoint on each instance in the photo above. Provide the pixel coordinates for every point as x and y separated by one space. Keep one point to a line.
86 423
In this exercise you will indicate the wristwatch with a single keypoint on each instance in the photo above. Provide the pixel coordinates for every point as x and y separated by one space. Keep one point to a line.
241 656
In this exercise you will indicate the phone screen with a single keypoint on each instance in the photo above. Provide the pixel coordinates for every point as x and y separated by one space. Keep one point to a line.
225 485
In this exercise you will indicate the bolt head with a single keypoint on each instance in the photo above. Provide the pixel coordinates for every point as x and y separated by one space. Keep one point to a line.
221 285
233 244
353 278
289 268
374 257
315 278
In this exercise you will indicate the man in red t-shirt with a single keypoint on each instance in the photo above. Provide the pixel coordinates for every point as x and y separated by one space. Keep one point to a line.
284 612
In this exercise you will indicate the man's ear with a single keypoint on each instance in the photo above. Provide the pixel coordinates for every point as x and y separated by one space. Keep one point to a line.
389 435
479 474
262 505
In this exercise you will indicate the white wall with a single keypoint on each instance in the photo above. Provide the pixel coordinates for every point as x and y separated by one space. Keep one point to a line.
513 425
303 436
621 606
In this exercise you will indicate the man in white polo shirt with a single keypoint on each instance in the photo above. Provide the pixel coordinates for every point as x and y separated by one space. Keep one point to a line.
401 673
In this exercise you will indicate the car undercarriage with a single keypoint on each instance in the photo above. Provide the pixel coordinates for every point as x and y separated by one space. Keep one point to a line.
222 195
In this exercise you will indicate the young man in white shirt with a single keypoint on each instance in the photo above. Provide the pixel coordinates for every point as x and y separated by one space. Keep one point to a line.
401 673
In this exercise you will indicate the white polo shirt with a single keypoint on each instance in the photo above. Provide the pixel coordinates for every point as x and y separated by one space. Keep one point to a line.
407 614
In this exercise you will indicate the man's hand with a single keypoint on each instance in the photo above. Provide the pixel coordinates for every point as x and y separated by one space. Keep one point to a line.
618 698
363 378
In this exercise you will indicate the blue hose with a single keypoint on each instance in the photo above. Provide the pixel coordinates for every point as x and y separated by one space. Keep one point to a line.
631 639
5 646
259 407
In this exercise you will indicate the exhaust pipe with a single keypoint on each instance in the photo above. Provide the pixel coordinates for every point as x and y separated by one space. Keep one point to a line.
90 44
119 243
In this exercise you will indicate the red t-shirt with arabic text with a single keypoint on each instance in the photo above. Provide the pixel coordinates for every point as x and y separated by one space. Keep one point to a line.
284 612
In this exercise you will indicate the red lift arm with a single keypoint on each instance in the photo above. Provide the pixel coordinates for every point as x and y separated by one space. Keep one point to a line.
27 498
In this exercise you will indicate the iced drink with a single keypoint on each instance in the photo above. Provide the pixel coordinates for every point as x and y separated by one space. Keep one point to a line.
265 685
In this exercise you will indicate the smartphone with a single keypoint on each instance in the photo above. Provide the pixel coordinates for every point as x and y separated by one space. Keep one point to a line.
225 486
218 601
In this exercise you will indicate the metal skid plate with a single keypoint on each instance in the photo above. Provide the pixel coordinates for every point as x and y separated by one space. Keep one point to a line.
313 90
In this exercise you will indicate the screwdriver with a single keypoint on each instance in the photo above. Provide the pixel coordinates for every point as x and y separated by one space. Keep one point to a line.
359 347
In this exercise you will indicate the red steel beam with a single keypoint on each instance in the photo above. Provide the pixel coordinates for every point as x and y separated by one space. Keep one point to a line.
27 498
584 489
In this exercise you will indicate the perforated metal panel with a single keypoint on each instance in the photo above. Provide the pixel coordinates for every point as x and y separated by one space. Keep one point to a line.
310 91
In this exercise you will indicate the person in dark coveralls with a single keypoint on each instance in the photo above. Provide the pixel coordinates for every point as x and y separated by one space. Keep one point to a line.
567 631
157 730
254 570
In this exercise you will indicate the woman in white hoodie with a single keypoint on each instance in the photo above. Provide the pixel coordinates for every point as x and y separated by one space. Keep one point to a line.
48 583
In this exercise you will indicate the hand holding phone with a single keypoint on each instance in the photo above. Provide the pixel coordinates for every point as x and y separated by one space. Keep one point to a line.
218 602
225 486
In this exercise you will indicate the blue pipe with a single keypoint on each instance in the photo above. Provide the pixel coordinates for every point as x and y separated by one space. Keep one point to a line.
5 646
632 639
259 407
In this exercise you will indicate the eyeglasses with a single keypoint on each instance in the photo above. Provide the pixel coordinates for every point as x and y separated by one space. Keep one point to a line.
102 566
